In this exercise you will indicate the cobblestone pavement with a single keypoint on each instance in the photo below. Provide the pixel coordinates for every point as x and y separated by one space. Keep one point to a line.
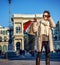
25 62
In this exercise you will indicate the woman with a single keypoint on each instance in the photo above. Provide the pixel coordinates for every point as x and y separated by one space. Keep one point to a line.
45 37
43 31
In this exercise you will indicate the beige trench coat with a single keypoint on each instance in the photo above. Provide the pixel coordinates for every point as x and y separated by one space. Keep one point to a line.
39 44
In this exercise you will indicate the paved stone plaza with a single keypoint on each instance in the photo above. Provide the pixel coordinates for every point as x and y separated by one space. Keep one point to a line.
25 62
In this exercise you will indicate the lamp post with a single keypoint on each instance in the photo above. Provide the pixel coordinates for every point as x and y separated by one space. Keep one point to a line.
10 25
9 2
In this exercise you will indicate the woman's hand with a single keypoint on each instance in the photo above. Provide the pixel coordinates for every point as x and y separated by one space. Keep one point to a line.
49 19
52 24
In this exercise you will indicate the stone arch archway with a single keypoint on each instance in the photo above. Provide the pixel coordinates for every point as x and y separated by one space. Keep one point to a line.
5 48
18 46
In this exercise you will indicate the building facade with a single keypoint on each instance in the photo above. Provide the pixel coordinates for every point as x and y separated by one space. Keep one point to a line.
4 39
57 36
18 21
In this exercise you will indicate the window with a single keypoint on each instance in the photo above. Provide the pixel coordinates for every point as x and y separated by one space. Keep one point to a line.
0 31
55 37
7 32
59 37
5 48
19 27
0 39
3 32
5 38
58 46
18 30
0 48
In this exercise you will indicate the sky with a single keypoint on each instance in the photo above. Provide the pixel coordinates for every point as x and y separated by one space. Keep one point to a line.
28 7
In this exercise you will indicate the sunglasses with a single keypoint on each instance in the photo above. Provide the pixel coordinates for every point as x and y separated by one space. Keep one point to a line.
46 16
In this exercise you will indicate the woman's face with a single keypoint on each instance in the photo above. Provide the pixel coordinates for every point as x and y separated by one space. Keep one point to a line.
45 16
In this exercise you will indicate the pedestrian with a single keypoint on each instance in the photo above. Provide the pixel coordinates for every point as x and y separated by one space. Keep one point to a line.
42 30
45 37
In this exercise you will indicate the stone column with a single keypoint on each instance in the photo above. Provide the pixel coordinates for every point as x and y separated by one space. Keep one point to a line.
22 43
